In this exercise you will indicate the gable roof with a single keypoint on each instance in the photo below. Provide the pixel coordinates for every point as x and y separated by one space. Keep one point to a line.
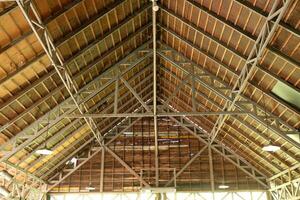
202 49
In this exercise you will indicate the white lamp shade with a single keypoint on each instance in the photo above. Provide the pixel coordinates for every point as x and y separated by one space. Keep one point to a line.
90 188
44 151
223 186
271 148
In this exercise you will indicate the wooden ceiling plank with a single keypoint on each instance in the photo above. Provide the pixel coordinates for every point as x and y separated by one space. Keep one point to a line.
219 108
255 117
284 25
23 132
46 21
239 30
92 109
240 142
62 162
251 82
276 52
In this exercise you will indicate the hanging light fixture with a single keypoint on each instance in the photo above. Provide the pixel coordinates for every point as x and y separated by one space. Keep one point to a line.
90 187
45 150
223 186
270 147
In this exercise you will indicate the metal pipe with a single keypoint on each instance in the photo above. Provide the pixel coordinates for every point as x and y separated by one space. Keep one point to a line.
154 10
163 114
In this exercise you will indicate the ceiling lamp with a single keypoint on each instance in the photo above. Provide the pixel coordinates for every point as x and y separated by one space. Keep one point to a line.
90 188
128 133
44 151
223 186
271 148
155 6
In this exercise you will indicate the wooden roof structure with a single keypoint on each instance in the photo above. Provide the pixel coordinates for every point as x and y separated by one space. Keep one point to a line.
188 94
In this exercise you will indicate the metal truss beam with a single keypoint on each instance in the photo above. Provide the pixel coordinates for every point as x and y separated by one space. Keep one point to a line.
154 33
234 139
77 150
186 106
257 111
235 28
287 191
88 67
34 130
263 13
84 160
275 124
232 71
57 44
46 21
123 106
87 143
241 31
219 147
288 172
91 110
184 195
22 186
44 38
211 169
35 127
162 114
235 118
286 184
135 94
186 165
255 55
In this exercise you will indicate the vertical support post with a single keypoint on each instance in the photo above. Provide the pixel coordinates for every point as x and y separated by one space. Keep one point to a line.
175 183
116 95
211 172
102 170
193 89
154 10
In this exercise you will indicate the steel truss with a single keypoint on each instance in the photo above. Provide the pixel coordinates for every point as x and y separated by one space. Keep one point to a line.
69 156
217 146
44 37
58 115
70 60
148 195
277 125
286 184
78 97
67 171
278 9
243 104
148 114
66 107
23 186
